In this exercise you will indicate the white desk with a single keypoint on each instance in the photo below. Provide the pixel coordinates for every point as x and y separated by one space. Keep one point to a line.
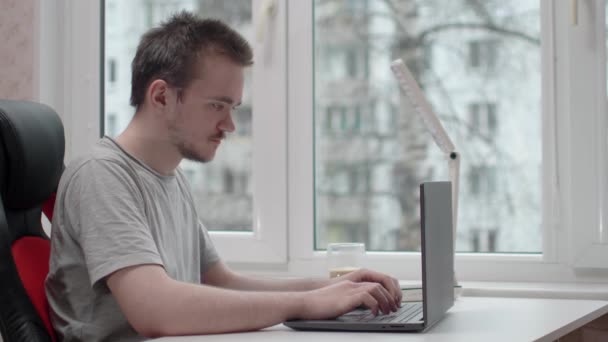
471 319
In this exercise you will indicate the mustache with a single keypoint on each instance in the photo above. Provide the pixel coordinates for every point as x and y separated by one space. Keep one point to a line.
219 136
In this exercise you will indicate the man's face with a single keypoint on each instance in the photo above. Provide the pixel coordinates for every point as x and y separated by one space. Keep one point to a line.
203 113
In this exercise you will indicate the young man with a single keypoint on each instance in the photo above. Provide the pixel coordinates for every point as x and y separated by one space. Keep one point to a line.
129 255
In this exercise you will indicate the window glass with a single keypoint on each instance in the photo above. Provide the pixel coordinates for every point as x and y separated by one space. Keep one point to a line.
222 188
478 63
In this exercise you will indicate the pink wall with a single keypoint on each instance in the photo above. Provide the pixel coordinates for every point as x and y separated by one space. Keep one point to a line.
17 51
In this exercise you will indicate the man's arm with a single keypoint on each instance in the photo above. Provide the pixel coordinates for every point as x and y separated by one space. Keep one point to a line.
220 275
156 305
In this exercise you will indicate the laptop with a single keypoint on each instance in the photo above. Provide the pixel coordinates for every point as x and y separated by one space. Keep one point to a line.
437 275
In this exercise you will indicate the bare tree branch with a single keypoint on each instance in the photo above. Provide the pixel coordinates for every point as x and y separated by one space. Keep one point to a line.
397 18
484 26
480 9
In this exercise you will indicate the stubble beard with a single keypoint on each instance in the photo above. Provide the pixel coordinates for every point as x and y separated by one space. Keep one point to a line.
189 152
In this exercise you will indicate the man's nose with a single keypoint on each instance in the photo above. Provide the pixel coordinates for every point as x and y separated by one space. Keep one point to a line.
227 125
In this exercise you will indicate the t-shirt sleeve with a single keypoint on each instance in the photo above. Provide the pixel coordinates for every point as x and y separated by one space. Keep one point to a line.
209 255
106 211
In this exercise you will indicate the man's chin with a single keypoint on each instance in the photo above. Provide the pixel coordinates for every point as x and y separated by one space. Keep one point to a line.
200 159
196 157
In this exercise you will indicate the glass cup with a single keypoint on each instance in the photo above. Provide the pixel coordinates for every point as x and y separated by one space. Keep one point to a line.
343 258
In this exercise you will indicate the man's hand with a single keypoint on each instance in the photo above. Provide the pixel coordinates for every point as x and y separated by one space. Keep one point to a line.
364 275
344 296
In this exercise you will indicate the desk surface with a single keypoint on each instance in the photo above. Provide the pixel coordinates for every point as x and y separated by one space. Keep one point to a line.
471 319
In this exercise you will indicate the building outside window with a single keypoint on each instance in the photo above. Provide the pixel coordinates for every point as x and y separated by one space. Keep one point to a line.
440 43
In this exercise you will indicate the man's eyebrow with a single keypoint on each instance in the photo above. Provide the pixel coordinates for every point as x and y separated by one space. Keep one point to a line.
226 99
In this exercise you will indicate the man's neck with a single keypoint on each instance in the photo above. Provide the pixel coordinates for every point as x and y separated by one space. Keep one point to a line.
151 146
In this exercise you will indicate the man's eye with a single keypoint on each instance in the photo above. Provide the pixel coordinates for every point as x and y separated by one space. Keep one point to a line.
217 106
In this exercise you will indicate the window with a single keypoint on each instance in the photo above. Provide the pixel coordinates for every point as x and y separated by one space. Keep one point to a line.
566 199
483 240
482 181
111 70
483 53
401 153
344 179
483 121
342 119
522 166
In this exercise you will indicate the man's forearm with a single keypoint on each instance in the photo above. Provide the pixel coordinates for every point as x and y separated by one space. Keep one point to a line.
221 276
194 309
156 305
249 283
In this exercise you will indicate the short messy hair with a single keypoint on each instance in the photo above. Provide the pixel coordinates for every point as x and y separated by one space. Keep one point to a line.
170 52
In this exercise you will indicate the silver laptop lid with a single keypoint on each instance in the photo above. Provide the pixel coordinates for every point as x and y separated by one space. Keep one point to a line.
437 250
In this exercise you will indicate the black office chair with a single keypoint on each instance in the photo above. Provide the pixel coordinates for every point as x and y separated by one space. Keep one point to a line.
31 161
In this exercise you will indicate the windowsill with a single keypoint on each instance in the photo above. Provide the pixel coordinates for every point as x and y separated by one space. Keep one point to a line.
589 291
526 290
584 289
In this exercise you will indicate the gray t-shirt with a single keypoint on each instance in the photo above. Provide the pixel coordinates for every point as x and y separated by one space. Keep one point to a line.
112 211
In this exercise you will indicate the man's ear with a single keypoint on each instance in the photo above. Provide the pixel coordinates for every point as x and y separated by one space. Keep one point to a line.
160 94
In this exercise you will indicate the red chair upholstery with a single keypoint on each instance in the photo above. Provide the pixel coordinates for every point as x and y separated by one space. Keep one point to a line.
31 162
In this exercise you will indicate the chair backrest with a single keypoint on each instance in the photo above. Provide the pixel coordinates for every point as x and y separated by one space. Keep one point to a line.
32 148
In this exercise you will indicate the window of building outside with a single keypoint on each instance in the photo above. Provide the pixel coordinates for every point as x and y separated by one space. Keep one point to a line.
367 181
483 121
220 189
483 53
111 71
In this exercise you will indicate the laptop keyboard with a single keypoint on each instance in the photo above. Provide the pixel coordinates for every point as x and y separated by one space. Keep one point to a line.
406 313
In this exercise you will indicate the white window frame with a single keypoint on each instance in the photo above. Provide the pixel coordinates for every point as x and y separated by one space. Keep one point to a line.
267 243
69 56
585 123
575 222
